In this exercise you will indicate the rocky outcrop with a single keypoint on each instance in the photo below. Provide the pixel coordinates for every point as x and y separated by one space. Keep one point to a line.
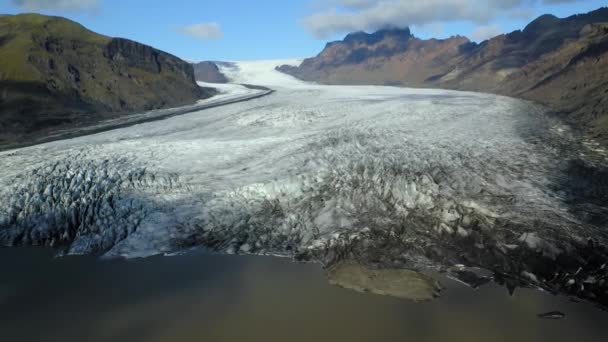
405 284
561 63
136 55
56 75
208 72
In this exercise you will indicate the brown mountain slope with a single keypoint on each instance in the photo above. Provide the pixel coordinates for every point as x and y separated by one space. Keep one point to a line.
385 57
487 65
56 74
579 88
562 63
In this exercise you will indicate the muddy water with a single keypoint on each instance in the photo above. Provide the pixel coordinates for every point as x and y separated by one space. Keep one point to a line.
201 297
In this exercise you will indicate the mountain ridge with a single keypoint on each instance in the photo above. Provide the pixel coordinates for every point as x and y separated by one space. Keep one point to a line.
383 54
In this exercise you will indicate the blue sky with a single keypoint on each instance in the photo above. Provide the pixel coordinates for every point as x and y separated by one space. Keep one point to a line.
266 29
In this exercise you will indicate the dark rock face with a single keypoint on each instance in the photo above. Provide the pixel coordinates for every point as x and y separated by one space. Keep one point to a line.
378 36
136 55
57 75
133 54
360 54
561 63
208 72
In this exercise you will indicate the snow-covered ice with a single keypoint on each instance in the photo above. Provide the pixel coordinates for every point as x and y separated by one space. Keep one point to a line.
305 168
262 72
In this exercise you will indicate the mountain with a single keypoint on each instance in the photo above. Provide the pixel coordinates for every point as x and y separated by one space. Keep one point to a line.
491 63
208 72
572 80
386 57
56 74
561 63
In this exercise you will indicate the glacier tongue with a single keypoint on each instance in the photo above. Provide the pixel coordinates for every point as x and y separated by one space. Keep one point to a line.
389 176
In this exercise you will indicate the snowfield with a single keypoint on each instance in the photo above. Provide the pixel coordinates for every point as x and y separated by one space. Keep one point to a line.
402 176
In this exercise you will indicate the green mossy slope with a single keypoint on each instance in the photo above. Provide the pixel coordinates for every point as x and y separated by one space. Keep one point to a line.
55 74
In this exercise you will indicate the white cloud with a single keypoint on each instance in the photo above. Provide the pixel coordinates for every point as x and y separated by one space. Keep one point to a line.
37 5
205 31
343 16
484 32
431 29
355 3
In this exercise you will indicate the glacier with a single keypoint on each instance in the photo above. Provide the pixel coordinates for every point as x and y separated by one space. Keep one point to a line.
386 176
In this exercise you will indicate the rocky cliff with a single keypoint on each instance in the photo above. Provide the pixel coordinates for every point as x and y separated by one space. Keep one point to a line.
561 63
208 72
56 74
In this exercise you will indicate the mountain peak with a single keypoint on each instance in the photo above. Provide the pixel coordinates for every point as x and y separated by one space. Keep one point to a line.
541 23
373 38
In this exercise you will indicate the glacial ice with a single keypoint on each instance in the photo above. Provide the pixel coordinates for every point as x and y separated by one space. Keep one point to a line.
311 171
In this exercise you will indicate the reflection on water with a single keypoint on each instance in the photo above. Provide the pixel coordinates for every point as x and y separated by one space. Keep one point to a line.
228 298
